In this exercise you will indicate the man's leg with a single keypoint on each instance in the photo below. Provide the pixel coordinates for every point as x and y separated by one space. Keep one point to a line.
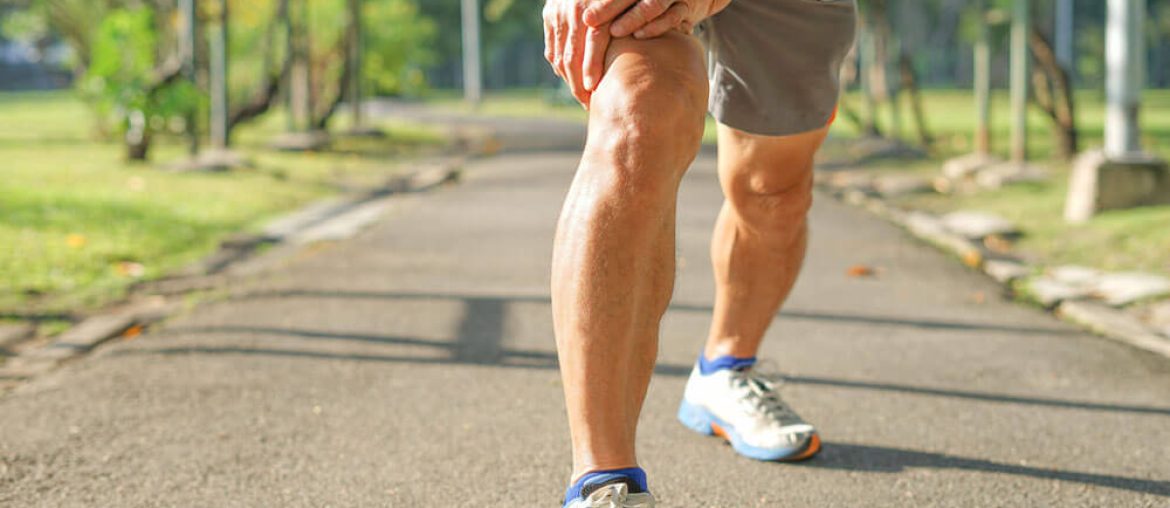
761 233
613 261
757 250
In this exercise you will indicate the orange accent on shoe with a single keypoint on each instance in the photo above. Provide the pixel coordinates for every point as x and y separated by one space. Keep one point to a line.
814 446
719 431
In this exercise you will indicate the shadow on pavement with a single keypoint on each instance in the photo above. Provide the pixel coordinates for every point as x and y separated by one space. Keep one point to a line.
843 456
481 336
490 353
855 457
481 341
674 306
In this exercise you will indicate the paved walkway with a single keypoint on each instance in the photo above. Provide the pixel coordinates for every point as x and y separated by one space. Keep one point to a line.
414 366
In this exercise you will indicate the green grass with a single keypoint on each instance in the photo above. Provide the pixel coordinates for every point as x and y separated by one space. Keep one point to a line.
950 116
74 214
1136 239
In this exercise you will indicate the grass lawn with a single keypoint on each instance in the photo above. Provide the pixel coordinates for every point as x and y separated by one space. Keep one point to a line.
1137 239
78 224
950 117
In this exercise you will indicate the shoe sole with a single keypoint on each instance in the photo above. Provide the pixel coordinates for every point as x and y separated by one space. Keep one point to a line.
700 420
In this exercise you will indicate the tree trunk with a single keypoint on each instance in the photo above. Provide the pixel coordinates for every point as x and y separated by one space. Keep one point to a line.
356 46
910 85
1054 95
270 91
321 118
137 136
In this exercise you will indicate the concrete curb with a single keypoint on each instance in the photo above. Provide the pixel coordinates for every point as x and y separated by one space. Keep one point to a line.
331 219
11 335
1114 324
87 335
1095 317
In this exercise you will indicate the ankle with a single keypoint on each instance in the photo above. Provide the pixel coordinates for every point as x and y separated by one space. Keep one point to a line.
634 477
581 471
712 364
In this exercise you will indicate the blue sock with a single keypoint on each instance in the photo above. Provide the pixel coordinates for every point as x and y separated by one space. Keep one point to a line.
725 362
634 478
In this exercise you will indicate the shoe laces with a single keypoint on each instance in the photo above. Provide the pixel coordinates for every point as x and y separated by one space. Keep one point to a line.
617 495
759 385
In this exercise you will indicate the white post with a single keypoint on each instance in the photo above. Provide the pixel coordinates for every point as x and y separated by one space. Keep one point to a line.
1121 175
472 80
1124 63
300 94
983 83
1019 80
356 45
187 42
1064 42
187 37
218 75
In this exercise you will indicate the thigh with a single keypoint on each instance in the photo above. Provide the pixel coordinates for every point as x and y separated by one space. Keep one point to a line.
758 164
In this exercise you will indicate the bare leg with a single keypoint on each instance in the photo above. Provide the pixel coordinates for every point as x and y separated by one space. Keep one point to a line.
761 234
613 261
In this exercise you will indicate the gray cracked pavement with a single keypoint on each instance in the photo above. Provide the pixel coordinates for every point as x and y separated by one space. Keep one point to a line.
414 366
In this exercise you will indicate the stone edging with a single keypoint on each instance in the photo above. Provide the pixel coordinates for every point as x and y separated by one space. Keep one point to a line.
1098 318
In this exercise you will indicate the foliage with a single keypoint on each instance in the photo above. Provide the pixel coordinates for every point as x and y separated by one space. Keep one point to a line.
257 49
121 80
398 42
25 26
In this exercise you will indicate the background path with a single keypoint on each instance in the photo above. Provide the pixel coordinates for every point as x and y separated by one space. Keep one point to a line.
414 366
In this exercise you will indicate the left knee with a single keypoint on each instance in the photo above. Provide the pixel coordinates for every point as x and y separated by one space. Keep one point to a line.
772 196
768 180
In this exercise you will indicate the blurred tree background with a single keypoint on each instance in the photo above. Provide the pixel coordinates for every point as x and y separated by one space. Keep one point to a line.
122 55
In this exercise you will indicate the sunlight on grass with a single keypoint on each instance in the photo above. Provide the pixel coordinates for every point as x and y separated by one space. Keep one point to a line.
950 118
76 215
1136 239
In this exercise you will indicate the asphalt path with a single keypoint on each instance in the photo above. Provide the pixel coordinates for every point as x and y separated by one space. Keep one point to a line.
414 365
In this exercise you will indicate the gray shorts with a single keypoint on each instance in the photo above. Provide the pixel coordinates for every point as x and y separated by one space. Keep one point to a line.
774 64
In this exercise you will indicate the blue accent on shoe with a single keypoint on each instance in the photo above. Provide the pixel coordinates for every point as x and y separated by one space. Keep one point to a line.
698 419
599 477
725 362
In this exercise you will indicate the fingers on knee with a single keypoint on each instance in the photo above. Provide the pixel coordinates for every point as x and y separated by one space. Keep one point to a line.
655 98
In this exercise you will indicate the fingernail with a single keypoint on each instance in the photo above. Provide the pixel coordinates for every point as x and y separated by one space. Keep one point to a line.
639 34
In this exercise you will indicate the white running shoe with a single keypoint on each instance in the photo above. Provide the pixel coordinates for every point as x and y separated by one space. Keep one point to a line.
613 495
742 406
